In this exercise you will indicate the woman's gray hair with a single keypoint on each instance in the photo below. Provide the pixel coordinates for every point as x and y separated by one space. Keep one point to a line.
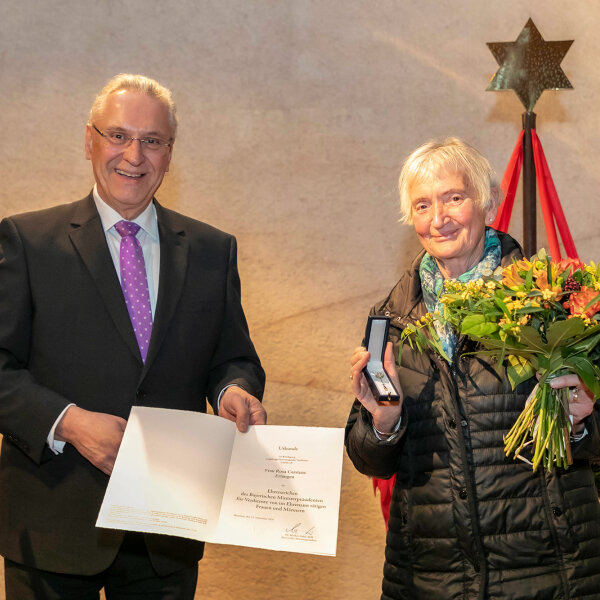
141 85
450 154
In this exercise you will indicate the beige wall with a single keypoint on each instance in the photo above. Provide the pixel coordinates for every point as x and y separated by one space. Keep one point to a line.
295 116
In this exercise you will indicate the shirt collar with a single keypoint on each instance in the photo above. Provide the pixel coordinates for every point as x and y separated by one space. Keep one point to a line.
109 216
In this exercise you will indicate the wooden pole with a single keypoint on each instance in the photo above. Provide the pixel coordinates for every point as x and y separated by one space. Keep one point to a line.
529 188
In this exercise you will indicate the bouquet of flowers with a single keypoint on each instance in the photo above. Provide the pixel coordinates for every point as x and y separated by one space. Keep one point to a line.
534 316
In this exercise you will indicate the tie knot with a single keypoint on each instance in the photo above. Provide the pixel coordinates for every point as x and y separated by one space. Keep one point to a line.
126 228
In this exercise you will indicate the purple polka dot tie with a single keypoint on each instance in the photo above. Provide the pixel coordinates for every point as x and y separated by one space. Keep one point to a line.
135 284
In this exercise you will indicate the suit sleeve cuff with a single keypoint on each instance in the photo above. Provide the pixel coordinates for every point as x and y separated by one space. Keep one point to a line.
55 445
223 391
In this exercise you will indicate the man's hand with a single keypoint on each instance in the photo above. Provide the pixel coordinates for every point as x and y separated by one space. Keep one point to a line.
243 408
96 436
385 417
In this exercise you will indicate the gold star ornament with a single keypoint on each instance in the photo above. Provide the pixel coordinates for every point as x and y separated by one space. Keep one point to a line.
529 65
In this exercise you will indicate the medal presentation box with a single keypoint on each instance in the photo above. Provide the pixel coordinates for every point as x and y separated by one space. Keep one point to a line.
375 341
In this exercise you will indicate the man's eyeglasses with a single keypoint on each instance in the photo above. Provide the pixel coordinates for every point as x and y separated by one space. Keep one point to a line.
118 138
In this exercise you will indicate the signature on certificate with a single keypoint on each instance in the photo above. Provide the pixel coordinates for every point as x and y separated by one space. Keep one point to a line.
300 532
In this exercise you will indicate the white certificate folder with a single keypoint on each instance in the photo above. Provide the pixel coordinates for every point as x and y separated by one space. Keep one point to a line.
194 475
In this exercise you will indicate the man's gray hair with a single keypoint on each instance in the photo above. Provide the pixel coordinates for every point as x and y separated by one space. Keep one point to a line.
141 85
450 154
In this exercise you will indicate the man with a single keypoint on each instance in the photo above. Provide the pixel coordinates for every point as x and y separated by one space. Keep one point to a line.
106 303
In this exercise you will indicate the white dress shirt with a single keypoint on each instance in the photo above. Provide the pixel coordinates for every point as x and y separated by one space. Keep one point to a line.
147 237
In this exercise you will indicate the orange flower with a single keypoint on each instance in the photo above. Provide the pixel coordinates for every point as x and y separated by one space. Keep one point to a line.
511 278
579 300
536 266
549 292
524 264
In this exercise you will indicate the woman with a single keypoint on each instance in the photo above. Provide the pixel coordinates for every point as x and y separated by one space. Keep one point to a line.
465 522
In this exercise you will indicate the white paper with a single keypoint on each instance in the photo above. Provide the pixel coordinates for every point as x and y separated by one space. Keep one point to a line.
194 475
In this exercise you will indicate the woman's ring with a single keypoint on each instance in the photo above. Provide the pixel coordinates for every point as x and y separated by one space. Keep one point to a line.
575 393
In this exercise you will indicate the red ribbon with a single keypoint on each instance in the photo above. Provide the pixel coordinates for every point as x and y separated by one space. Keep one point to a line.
509 184
552 211
551 207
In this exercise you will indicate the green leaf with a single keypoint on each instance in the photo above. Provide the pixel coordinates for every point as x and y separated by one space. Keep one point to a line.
579 346
490 313
481 329
560 331
416 337
543 363
499 300
500 349
529 310
555 361
476 325
519 369
530 337
529 279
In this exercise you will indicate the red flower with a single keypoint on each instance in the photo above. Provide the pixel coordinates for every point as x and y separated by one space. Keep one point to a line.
579 300
568 266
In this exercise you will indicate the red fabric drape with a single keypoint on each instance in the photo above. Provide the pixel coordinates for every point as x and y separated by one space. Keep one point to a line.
554 218
385 487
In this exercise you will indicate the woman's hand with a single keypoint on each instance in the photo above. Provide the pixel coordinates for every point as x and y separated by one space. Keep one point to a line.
385 417
581 399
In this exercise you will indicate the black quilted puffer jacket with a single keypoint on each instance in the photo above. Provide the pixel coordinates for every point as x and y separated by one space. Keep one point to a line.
466 522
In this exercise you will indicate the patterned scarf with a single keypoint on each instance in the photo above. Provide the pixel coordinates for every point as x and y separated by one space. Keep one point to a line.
433 283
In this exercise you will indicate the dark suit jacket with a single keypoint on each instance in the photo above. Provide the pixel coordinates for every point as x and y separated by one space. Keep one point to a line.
65 336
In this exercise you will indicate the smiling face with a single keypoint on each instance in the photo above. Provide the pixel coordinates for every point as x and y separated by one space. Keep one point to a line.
128 176
449 222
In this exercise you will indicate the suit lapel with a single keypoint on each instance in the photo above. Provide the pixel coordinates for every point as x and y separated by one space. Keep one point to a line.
173 267
89 240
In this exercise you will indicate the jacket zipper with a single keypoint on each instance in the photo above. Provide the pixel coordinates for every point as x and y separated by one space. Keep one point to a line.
480 565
